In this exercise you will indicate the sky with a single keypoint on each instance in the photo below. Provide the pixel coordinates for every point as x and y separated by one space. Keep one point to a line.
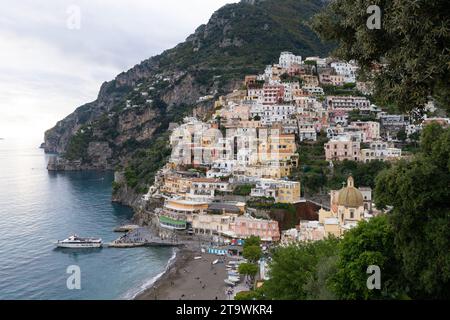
55 54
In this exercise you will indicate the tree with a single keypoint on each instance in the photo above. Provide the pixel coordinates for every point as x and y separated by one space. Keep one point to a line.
252 253
410 50
252 241
248 269
401 135
418 192
295 272
370 243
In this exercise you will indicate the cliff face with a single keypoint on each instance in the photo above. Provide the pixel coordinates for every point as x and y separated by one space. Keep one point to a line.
125 126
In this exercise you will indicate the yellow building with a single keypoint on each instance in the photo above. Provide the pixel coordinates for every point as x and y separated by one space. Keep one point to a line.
278 147
176 185
289 192
274 170
176 213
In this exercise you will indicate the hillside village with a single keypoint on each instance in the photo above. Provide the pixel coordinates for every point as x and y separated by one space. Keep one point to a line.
225 171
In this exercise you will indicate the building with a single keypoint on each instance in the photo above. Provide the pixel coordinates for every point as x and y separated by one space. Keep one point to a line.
282 191
347 70
204 188
313 90
347 209
307 131
370 129
327 78
393 120
177 212
348 103
310 80
381 151
194 143
273 94
287 59
274 113
338 117
342 148
320 62
245 226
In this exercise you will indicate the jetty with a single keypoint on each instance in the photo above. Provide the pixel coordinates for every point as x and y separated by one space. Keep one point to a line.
142 237
126 228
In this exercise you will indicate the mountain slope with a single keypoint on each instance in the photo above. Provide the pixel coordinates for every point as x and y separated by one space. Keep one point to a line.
137 107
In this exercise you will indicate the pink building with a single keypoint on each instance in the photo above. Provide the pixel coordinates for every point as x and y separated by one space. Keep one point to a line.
370 129
338 117
343 148
273 94
244 227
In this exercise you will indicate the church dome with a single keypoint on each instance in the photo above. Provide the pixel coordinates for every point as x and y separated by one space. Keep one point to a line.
350 196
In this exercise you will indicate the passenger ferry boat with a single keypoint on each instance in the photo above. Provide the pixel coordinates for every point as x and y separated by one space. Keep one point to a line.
76 242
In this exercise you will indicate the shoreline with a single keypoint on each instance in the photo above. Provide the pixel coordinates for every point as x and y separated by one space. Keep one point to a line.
187 278
147 285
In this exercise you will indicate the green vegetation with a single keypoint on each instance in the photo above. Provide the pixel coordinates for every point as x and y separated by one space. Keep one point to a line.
287 78
77 149
252 252
370 244
257 34
419 191
141 170
409 244
363 173
347 89
356 115
248 269
243 190
256 294
297 271
412 43
317 176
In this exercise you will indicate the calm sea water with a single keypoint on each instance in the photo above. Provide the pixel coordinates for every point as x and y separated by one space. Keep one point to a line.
38 207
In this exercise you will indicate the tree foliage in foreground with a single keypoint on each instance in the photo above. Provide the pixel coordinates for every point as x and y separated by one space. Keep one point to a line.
369 244
296 273
419 192
412 44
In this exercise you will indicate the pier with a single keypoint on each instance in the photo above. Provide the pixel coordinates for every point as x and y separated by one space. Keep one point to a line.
142 237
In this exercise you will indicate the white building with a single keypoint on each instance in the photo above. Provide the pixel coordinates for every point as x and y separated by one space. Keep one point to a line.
277 114
313 90
289 89
348 103
380 150
307 131
287 59
321 62
347 70
281 190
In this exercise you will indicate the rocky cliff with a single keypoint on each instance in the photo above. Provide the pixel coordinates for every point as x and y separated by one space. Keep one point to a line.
133 111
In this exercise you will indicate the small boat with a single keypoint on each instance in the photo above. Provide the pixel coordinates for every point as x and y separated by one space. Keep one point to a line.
76 242
231 283
216 261
197 258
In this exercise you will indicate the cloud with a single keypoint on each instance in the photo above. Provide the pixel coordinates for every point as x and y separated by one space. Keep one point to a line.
47 69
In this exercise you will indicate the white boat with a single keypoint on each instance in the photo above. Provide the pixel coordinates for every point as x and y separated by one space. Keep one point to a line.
216 261
76 242
231 283
234 279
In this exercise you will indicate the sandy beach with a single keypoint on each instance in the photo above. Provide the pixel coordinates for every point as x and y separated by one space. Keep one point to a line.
190 279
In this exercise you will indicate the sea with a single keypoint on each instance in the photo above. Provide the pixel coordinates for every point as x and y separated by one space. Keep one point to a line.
38 207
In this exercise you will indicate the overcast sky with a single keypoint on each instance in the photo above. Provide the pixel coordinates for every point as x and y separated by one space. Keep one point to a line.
53 60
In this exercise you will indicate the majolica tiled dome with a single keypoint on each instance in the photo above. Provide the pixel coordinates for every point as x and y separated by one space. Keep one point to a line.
350 196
